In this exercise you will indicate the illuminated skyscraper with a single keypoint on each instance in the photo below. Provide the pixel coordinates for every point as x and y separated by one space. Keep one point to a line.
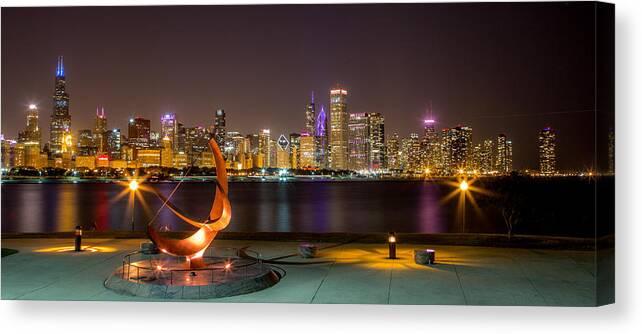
321 139
358 142
254 148
31 133
457 146
411 157
282 153
139 132
295 150
86 145
504 155
113 144
431 149
167 153
393 152
477 157
236 150
509 155
338 129
196 139
547 158
219 127
310 116
264 149
169 128
377 151
100 129
60 126
181 138
31 138
154 139
486 165
307 151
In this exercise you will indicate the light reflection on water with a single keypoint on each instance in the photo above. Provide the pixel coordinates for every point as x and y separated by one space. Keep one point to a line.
364 207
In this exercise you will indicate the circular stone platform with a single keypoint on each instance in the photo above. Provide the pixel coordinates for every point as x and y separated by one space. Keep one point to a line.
165 277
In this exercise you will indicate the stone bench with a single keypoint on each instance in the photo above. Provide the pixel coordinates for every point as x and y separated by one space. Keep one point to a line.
425 256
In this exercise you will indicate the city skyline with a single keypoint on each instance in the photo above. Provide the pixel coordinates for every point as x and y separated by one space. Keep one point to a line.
473 89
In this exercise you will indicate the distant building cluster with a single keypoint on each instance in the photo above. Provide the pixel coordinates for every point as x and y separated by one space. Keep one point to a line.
332 139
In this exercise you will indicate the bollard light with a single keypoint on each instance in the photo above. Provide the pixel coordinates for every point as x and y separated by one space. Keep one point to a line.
78 239
392 246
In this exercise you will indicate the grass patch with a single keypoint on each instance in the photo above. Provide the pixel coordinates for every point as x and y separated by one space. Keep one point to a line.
7 252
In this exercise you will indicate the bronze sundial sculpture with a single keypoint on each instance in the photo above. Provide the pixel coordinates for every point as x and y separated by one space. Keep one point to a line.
219 217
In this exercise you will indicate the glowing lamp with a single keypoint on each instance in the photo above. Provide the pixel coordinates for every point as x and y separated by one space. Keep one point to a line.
133 185
78 241
463 186
392 245
228 266
32 107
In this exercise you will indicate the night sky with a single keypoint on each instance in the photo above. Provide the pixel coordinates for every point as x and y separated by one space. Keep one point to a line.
512 68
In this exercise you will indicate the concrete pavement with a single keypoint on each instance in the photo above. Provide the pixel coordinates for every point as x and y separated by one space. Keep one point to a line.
350 273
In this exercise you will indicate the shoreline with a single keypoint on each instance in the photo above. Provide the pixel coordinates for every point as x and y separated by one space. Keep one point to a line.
455 239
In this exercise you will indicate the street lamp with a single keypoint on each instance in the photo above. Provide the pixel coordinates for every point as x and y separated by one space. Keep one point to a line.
463 187
133 186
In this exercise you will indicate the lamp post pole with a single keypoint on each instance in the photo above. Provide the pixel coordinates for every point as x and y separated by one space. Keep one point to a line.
463 187
133 186
133 209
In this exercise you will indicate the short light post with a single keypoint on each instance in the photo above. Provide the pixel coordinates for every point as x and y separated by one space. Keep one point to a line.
133 186
78 241
392 246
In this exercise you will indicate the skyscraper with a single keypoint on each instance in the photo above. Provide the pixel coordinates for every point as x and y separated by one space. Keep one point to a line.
392 152
167 153
100 129
338 129
547 158
377 152
307 151
86 145
264 149
295 150
181 139
282 152
321 139
219 127
431 148
412 153
504 155
113 144
31 133
487 157
457 145
138 132
169 128
310 116
196 139
60 126
358 142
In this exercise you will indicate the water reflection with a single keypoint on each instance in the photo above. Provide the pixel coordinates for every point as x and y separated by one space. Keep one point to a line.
358 207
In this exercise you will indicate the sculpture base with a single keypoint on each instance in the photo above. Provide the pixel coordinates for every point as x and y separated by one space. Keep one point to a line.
166 277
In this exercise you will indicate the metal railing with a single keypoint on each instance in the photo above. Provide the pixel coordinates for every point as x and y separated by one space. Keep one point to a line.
220 263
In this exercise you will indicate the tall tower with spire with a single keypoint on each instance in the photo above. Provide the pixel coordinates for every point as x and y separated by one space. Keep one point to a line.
310 116
60 126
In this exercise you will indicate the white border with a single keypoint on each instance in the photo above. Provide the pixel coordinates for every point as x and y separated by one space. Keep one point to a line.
624 317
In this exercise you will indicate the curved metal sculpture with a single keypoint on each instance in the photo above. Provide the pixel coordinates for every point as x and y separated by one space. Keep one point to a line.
219 217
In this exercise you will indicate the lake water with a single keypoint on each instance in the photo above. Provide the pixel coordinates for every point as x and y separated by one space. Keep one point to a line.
360 207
